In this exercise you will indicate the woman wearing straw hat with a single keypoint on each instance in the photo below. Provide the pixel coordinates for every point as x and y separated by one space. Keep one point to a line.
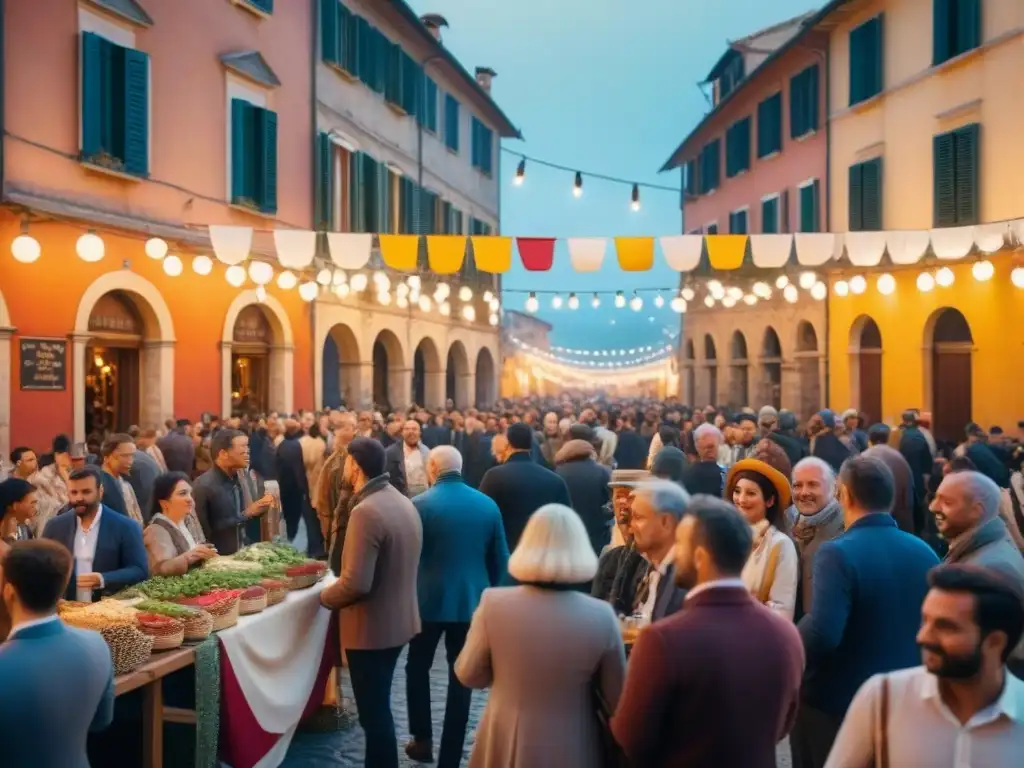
762 494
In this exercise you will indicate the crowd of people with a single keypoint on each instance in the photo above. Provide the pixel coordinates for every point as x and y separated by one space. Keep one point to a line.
764 577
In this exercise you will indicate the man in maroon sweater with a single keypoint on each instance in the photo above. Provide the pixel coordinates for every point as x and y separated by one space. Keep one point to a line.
716 685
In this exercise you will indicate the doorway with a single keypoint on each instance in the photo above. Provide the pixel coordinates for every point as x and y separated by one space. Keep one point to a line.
952 344
250 363
112 365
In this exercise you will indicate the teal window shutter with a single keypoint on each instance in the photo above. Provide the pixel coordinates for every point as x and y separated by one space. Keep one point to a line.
956 28
93 106
369 187
770 216
356 193
873 195
769 125
267 127
944 180
474 143
968 145
813 87
385 192
457 222
451 122
267 6
856 198
809 206
967 24
242 191
330 31
867 60
136 112
942 33
382 59
712 229
348 40
324 181
393 82
428 110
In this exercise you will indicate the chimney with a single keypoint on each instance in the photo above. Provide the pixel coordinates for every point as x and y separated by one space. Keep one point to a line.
433 22
484 76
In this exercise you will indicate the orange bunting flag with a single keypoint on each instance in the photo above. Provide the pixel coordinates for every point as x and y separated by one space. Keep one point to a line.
445 253
492 253
400 252
636 254
726 252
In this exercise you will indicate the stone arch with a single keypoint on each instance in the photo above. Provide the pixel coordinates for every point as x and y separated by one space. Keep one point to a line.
427 374
806 337
486 378
739 383
810 368
948 372
342 363
865 350
6 331
155 357
458 384
390 387
770 391
280 350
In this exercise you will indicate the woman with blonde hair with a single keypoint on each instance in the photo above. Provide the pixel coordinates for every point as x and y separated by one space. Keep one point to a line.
544 649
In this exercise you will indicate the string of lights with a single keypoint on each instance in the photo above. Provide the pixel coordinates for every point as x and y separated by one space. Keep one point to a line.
676 299
653 354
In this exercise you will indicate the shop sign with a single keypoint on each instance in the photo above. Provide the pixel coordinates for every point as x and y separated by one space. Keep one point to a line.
44 364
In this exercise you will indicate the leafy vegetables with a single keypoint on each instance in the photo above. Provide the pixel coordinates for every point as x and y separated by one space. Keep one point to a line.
269 554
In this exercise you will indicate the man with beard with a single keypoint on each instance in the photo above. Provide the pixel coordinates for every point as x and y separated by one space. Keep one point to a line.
814 520
331 496
551 440
713 651
107 547
962 704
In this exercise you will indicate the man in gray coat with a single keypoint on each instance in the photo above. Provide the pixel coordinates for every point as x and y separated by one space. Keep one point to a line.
376 593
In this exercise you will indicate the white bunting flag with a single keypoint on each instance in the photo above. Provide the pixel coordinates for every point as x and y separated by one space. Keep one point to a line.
231 245
295 247
990 238
587 253
865 249
682 252
952 242
350 250
814 249
771 251
907 246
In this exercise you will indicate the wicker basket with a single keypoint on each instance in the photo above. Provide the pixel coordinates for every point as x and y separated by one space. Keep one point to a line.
224 611
129 648
167 633
305 581
197 628
253 600
227 619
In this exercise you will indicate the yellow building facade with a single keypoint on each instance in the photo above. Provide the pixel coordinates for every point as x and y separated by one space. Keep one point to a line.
925 132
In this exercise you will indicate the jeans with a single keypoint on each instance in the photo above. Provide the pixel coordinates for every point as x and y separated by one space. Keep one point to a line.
372 673
417 682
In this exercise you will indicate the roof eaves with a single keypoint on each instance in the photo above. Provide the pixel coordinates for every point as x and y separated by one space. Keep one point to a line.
251 65
129 10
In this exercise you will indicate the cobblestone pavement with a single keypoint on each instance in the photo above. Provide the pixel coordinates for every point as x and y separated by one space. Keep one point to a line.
345 749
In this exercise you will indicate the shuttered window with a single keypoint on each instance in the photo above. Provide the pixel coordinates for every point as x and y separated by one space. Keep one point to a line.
370 195
451 122
770 216
737 148
867 60
738 222
407 191
690 181
483 147
710 164
265 6
956 28
712 229
810 207
865 196
428 113
955 166
804 100
455 224
339 36
731 76
769 125
324 181
478 227
253 156
115 106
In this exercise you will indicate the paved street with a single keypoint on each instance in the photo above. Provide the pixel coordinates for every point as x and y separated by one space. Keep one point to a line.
345 749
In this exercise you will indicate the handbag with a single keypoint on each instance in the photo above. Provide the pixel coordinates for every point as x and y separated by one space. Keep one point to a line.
768 580
612 755
882 727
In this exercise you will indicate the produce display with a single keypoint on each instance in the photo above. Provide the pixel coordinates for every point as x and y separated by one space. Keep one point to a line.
197 623
223 606
197 582
277 590
306 575
167 633
269 554
129 648
97 616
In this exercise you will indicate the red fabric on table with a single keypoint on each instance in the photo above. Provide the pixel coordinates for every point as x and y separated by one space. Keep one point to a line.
242 743
537 253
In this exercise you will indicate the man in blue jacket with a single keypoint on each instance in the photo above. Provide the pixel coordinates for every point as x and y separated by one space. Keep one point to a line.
56 682
464 553
869 584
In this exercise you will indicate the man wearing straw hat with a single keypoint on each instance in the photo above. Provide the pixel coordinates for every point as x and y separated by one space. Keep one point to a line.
621 567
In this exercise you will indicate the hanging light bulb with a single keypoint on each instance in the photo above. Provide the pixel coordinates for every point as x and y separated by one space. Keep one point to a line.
556 302
709 301
858 284
494 305
384 298
678 304
716 290
944 277
324 276
488 297
620 300
983 270
342 291
761 289
261 293
381 281
339 277
577 187
532 305
465 293
750 299
520 173
636 303
574 301
261 273
469 313
359 282
26 249
819 291
287 280
90 247
425 303
728 302
790 294
235 275
445 309
635 198
596 301
173 266
402 290
1017 277
807 280
687 293
156 248
781 282
402 302
659 300
842 288
308 290
734 293
886 284
925 282
493 319
202 265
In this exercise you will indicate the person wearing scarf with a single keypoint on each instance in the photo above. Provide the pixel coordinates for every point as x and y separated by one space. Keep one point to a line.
814 518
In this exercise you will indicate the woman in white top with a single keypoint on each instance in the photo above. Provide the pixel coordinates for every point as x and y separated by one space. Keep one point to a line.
174 539
762 494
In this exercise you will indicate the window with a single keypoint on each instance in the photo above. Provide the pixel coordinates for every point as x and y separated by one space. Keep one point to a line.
803 102
263 6
865 195
324 181
737 148
373 55
769 125
770 216
731 76
253 156
738 222
428 114
455 226
370 195
710 166
451 122
483 147
478 227
867 60
955 165
810 218
407 206
711 229
956 28
339 36
115 106
690 179
404 80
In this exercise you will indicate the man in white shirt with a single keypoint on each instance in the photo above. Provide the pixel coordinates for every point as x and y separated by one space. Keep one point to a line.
962 709
414 454
658 506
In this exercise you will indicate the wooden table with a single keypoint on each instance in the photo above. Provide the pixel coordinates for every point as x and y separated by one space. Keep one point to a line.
149 677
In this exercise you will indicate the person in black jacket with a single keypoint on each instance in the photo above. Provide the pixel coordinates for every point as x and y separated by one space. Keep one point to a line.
296 501
576 463
631 451
706 475
520 486
825 444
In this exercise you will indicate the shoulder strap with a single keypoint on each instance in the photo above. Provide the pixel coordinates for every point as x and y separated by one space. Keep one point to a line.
882 747
765 590
179 541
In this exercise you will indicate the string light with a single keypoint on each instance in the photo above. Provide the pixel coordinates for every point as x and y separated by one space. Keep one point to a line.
688 294
359 282
858 284
807 280
235 275
465 293
596 301
819 291
324 277
156 248
556 302
577 187
445 309
945 277
532 305
26 249
842 288
173 266
659 300
925 282
790 294
635 198
340 278
90 247
520 173
286 280
750 299
203 265
636 303
781 282
983 270
574 301
678 305
886 284
1017 277
308 290
620 300
647 355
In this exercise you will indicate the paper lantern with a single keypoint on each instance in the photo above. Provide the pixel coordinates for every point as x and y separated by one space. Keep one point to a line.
156 248
90 247
26 249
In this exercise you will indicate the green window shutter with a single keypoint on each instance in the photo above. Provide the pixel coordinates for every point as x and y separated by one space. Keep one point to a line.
967 161
457 222
743 145
266 122
942 37
324 181
348 39
867 60
796 105
769 129
241 152
267 6
356 208
451 122
393 81
856 198
944 179
809 206
811 100
872 191
370 197
382 63
330 29
385 221
428 110
770 216
967 26
93 105
473 146
712 229
135 154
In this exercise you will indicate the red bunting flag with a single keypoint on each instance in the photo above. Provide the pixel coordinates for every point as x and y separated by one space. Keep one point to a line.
537 253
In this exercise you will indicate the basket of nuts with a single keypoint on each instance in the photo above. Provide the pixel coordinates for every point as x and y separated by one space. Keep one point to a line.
167 632
129 648
222 606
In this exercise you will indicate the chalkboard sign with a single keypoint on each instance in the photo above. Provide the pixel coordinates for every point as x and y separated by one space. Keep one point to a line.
44 364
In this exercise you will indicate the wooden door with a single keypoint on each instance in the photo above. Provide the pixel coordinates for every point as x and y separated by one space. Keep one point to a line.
870 364
951 393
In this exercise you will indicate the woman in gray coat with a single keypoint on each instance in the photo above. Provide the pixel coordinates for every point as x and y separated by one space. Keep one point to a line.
543 648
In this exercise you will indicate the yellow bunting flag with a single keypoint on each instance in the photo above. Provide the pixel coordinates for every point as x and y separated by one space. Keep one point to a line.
492 253
445 253
726 251
636 254
400 251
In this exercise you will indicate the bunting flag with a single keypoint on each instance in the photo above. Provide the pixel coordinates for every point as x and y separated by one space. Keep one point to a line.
990 238
492 253
682 252
295 247
771 251
865 249
445 253
636 254
908 246
537 253
231 245
816 248
587 253
400 252
350 250
726 252
952 242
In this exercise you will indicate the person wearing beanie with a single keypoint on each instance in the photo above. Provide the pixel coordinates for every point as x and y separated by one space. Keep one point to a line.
520 486
375 596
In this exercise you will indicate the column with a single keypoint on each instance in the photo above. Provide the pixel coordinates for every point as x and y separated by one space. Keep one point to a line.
5 391
156 383
79 341
757 387
465 390
364 377
225 378
282 378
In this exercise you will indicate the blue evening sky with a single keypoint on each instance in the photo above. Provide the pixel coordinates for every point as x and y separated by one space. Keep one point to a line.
608 87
